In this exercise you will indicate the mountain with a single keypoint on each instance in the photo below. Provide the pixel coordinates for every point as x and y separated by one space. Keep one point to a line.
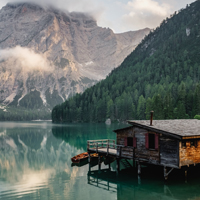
48 55
161 74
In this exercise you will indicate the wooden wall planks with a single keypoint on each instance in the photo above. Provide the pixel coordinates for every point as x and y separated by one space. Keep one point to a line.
189 154
151 156
169 151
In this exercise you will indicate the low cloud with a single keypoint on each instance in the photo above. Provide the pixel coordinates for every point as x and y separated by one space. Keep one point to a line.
94 8
121 15
25 58
145 13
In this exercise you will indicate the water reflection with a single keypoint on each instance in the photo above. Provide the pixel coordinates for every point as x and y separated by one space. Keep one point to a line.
127 184
34 163
30 158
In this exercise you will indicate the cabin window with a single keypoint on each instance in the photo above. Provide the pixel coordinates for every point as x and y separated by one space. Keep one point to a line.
151 141
183 143
130 141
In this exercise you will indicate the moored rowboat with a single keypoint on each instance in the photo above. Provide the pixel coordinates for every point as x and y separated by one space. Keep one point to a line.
84 156
80 157
94 155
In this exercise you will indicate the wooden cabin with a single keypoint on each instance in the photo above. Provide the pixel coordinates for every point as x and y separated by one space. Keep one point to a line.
168 143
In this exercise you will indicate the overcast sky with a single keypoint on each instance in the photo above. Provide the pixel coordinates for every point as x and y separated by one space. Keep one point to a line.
120 15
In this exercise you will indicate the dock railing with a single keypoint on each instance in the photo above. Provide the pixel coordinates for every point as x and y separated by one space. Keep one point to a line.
97 145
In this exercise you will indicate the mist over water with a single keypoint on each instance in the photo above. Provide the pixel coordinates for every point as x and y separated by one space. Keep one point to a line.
35 163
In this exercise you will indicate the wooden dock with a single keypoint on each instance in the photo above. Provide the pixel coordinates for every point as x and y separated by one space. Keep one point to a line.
105 147
108 148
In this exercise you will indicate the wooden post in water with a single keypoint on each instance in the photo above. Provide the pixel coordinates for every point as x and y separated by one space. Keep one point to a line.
109 162
139 168
99 162
89 160
118 164
139 172
139 180
134 164
120 151
165 173
186 176
88 177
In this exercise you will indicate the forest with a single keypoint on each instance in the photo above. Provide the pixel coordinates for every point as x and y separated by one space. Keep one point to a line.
162 74
24 114
29 108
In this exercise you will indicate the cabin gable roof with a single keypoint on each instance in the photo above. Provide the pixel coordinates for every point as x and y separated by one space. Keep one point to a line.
180 129
122 129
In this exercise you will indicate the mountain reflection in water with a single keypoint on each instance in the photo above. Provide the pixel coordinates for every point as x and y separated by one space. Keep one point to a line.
35 163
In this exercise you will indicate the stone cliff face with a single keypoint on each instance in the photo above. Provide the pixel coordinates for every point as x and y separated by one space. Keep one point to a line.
54 55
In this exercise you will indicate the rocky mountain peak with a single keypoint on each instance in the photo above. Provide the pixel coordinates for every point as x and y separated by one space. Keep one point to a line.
79 18
52 54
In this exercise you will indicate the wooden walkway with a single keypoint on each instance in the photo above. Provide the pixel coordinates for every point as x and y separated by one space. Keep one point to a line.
104 151
108 148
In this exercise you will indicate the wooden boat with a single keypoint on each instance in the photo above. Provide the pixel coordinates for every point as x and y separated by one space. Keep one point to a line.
94 155
79 158
83 157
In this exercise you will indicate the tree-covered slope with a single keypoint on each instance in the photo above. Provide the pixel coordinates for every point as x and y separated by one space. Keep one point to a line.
162 74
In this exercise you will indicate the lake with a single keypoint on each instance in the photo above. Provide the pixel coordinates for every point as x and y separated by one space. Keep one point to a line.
35 163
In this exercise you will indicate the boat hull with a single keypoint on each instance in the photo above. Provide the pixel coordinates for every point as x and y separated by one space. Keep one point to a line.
79 158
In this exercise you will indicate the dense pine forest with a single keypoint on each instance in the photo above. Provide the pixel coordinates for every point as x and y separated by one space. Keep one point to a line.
29 108
24 114
162 74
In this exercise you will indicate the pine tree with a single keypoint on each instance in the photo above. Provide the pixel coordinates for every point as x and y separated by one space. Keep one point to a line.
158 107
149 107
141 108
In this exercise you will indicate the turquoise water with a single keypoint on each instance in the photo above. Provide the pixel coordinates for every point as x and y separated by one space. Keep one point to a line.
35 163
